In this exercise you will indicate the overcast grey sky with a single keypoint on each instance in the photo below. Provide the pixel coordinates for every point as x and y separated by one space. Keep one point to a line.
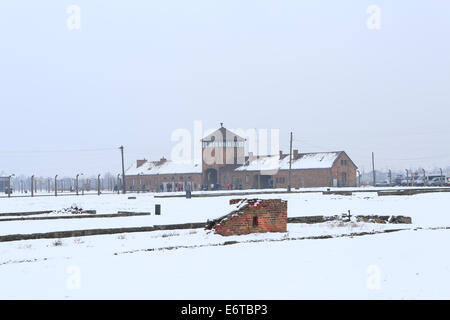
137 70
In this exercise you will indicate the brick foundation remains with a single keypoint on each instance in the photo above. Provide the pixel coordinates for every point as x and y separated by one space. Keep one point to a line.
252 216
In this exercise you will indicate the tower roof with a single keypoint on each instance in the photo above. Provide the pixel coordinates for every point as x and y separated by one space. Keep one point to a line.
223 134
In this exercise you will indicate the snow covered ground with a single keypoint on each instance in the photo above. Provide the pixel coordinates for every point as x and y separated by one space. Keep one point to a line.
402 265
197 264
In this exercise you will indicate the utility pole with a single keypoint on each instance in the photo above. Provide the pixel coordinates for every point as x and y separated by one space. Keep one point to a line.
373 169
56 186
118 183
290 164
32 184
442 178
76 183
9 185
98 184
123 171
390 178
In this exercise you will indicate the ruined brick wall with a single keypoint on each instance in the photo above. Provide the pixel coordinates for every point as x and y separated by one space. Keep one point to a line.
254 216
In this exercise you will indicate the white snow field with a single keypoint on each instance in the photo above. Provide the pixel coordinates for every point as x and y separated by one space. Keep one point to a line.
317 261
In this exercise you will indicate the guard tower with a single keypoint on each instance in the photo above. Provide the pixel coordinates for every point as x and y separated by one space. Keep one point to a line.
222 151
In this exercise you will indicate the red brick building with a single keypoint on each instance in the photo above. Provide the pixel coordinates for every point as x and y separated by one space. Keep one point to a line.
252 216
225 166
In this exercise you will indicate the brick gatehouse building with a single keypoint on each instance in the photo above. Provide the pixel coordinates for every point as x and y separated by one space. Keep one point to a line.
225 166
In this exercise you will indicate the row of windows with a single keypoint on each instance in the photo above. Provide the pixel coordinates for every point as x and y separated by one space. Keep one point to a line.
222 144
280 180
140 181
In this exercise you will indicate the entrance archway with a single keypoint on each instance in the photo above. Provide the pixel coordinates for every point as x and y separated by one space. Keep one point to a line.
210 177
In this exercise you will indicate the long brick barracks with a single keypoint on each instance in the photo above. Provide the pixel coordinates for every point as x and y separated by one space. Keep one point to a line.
224 165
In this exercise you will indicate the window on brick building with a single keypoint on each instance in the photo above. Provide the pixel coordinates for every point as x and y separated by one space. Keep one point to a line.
280 180
255 221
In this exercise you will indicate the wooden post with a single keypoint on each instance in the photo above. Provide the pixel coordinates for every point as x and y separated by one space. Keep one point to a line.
123 171
373 169
9 186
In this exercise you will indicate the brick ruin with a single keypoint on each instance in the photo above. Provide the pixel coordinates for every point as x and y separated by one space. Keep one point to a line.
252 216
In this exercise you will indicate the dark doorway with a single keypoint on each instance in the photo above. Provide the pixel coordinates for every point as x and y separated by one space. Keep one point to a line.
265 182
344 179
211 177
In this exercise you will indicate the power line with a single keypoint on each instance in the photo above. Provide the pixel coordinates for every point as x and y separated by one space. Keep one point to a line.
418 158
55 151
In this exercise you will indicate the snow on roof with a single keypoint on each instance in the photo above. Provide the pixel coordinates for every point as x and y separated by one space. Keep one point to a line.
167 167
223 133
134 170
261 163
317 160
170 167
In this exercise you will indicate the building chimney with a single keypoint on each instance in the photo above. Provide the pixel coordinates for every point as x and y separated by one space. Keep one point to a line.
140 162
162 160
295 153
281 154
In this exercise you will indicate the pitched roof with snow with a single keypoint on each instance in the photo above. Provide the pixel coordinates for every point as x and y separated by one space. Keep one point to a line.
222 134
317 160
261 163
167 167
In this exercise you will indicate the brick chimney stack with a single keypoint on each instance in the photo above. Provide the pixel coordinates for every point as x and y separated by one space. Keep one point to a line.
140 162
295 153
281 154
162 160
